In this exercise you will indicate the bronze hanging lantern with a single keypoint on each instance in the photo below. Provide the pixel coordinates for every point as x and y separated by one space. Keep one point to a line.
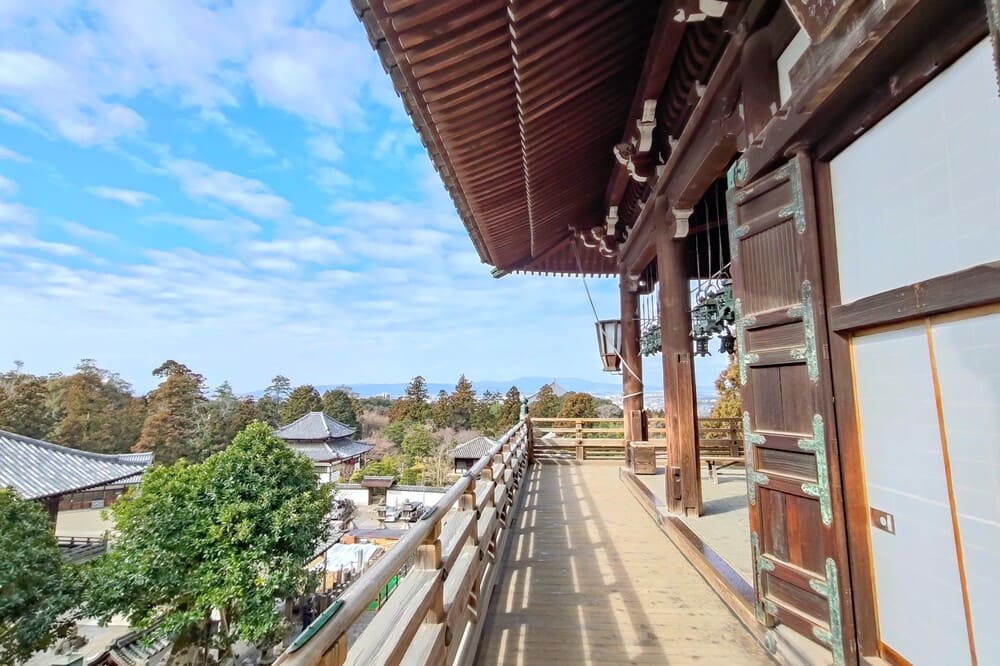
609 343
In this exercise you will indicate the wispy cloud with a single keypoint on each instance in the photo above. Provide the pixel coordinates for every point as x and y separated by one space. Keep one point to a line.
133 198
8 154
325 147
225 229
253 197
84 232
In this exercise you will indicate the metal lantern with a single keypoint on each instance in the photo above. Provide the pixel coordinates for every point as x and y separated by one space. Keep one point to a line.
609 343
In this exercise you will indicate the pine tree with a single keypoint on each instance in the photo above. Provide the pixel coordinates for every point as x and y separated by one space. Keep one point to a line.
24 409
462 403
547 403
301 401
224 416
510 410
441 413
95 410
171 427
413 406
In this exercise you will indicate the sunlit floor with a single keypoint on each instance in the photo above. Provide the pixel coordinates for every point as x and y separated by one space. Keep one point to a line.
724 524
589 579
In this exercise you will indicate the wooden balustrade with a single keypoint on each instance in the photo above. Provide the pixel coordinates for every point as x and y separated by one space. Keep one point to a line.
434 615
604 439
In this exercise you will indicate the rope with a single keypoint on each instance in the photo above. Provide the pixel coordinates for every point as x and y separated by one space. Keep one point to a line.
593 308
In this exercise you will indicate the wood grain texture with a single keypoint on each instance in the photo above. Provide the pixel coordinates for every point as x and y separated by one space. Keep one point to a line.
590 580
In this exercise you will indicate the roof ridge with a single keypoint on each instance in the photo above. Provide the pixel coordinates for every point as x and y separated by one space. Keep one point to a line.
116 457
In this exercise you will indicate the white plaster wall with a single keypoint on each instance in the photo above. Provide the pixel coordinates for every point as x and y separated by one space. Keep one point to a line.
357 495
429 497
918 195
967 354
919 594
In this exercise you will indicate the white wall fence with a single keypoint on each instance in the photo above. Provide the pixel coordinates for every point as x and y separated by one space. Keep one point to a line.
427 495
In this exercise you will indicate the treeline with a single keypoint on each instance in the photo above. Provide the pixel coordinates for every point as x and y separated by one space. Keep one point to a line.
95 410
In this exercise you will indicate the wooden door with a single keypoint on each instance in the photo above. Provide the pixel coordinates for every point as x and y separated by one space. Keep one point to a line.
796 519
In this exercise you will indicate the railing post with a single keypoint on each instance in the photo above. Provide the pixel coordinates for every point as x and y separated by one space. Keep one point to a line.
428 558
579 440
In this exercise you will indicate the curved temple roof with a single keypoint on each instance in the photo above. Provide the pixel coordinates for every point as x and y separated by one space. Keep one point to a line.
36 469
520 105
314 426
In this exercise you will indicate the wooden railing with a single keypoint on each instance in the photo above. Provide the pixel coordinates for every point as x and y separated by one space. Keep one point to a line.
604 439
435 614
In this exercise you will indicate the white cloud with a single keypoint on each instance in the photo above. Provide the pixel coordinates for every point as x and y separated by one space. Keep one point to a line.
332 180
22 241
15 213
84 232
216 229
133 198
10 155
7 186
311 249
242 137
324 147
201 181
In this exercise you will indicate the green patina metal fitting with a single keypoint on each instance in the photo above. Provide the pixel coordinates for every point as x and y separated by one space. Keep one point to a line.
731 202
758 577
804 311
820 489
754 478
834 637
796 209
745 358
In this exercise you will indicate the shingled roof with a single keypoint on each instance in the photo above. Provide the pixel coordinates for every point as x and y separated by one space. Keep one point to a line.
474 448
36 469
314 426
330 451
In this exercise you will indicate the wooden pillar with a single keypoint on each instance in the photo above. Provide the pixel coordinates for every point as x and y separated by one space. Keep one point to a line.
678 395
632 403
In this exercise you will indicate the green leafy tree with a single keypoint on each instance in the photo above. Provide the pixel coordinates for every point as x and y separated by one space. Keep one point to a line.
463 403
24 407
396 431
510 410
171 427
384 466
418 442
546 405
230 535
95 410
341 405
578 406
301 401
37 588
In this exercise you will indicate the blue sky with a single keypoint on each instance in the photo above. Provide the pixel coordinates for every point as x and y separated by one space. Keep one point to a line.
236 186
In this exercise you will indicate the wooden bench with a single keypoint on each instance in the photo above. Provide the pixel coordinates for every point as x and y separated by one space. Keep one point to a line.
719 454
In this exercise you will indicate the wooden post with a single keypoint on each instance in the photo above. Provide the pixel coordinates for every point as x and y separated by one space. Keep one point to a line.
428 558
579 440
675 329
632 401
687 434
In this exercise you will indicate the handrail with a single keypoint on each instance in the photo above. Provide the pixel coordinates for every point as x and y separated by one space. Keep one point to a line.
482 531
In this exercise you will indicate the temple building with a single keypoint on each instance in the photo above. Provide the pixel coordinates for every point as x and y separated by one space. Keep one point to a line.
466 455
810 185
327 443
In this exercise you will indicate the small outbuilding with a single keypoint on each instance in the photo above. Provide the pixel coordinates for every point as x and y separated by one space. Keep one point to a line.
466 455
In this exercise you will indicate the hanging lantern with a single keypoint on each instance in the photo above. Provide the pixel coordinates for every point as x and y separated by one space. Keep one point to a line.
609 342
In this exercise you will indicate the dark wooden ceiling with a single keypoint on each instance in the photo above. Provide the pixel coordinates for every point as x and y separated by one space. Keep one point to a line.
519 103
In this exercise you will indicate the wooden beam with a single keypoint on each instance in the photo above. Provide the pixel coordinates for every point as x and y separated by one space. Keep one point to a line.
818 74
632 389
993 14
675 327
663 47
969 288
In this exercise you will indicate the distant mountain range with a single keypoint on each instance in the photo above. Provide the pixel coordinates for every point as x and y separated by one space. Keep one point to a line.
526 385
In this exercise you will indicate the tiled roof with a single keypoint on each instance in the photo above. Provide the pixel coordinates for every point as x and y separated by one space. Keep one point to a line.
314 426
36 469
331 451
474 448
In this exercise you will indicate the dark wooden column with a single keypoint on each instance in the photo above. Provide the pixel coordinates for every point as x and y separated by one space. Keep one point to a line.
683 479
632 403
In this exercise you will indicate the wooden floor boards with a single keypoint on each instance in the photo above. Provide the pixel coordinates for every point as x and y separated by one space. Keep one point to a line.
590 580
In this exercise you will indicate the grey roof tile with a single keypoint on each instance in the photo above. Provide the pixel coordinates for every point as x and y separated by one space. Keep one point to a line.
314 426
474 448
37 469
